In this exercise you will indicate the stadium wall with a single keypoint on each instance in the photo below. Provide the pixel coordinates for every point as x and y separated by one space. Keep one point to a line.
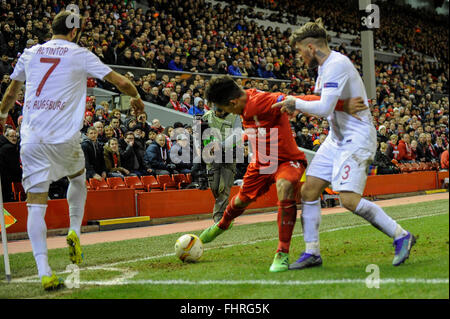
119 203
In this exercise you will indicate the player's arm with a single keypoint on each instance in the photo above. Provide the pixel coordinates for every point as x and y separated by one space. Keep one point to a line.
126 87
8 100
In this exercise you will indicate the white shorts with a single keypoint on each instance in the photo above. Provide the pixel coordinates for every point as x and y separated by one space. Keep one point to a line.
345 167
46 163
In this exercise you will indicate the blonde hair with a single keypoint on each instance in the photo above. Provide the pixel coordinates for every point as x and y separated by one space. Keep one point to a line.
314 30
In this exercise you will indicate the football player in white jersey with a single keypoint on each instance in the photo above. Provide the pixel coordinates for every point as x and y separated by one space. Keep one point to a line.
344 157
55 75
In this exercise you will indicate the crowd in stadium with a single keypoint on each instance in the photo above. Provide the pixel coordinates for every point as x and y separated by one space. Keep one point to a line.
410 111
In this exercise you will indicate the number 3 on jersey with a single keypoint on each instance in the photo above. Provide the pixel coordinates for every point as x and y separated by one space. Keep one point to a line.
346 172
55 62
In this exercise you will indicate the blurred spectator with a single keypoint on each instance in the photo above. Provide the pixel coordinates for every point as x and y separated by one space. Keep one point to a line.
421 149
382 134
157 156
10 168
180 154
115 124
93 154
382 162
198 107
156 126
130 156
319 142
444 159
113 164
405 152
304 139
392 147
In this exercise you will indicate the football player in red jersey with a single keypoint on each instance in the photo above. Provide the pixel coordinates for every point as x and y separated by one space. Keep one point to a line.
277 158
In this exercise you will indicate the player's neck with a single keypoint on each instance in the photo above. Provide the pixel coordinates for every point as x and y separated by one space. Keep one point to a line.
60 37
322 55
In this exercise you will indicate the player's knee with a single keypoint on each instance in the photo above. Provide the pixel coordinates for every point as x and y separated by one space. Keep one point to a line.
309 193
285 189
349 200
239 203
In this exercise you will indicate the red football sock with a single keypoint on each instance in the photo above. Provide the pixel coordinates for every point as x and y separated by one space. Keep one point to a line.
231 212
287 216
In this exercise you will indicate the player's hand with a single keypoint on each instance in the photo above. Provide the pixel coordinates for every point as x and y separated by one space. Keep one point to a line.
354 105
287 105
137 104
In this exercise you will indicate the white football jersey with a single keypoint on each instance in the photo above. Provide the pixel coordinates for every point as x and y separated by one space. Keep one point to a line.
56 75
338 76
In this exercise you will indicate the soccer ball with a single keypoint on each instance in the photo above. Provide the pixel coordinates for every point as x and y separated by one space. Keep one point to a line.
189 248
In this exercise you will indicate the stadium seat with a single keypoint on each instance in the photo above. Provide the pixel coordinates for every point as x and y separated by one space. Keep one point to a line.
151 183
18 191
98 184
188 178
88 186
180 180
134 182
166 182
116 182
415 167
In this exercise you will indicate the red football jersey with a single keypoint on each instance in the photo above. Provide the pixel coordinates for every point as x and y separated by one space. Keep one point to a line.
269 130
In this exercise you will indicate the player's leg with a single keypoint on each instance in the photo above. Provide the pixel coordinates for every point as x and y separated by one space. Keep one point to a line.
287 183
37 197
350 181
318 177
254 184
76 198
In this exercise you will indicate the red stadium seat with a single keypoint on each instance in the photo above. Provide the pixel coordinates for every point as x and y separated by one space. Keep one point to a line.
188 178
180 180
151 183
88 186
98 184
166 182
116 182
134 182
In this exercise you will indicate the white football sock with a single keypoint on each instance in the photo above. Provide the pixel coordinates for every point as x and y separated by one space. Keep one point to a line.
310 222
37 232
76 197
375 215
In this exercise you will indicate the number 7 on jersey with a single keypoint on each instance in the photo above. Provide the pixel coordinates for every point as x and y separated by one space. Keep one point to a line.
55 62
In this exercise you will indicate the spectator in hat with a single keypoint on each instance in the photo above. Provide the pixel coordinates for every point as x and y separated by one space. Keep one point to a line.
198 107
186 102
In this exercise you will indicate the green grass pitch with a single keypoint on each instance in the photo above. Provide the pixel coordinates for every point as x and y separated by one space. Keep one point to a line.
236 265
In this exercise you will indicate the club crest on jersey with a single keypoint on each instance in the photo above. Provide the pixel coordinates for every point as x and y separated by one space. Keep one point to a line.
330 85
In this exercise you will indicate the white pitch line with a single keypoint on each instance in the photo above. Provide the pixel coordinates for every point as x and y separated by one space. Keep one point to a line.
32 279
394 281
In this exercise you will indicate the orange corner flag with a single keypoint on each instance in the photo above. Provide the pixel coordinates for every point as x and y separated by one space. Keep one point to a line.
9 219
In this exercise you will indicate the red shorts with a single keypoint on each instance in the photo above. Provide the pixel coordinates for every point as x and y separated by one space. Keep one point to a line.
256 184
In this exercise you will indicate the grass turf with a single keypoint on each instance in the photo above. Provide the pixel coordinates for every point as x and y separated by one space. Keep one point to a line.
236 264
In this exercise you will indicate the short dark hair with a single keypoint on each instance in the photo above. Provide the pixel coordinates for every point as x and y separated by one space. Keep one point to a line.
60 25
221 89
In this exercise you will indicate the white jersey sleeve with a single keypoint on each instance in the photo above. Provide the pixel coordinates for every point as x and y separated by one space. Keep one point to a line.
19 69
95 67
